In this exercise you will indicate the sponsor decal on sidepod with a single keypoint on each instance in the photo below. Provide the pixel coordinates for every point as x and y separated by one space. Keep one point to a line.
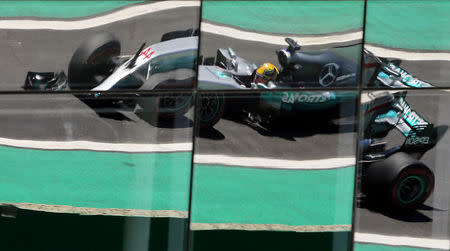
291 98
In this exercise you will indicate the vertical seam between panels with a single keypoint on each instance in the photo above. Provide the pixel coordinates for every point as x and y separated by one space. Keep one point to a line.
194 131
358 131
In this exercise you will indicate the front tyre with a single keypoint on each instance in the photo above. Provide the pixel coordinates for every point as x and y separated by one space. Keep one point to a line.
93 61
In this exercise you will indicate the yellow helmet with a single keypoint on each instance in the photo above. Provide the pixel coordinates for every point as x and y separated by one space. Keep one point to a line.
265 73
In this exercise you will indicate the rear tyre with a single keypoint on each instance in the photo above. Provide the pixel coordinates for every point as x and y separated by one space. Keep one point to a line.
399 180
210 110
167 106
93 61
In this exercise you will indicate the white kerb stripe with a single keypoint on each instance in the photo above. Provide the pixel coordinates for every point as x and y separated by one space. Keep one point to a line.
279 40
355 36
274 163
402 241
123 14
408 55
269 227
97 146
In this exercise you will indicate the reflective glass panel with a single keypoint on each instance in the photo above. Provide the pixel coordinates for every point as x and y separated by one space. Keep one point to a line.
280 44
83 172
407 44
98 45
276 170
403 181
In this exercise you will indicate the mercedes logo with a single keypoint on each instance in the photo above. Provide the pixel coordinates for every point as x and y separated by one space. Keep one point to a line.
328 74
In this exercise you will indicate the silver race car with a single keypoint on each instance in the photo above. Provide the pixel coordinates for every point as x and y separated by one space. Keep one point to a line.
170 65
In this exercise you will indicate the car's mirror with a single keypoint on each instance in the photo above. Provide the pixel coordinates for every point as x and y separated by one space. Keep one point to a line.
232 53
293 45
232 64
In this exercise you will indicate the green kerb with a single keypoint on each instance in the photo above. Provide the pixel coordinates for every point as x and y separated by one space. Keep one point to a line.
149 181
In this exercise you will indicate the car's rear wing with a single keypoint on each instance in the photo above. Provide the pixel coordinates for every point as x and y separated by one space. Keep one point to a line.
384 110
419 133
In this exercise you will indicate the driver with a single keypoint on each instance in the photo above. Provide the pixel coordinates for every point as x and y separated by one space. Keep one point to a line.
265 76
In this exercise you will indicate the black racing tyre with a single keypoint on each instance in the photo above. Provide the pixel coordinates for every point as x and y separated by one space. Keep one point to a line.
167 106
399 180
210 109
93 60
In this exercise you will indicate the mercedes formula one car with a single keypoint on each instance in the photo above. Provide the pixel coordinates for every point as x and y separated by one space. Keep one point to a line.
97 66
306 70
299 69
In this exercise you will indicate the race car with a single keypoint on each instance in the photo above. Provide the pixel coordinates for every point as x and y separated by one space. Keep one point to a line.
97 66
306 70
299 69
324 69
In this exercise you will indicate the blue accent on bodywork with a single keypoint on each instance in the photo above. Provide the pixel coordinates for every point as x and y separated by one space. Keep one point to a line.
222 74
383 75
389 114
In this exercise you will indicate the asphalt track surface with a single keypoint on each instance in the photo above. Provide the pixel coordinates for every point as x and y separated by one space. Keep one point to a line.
241 137
50 50
65 118
430 221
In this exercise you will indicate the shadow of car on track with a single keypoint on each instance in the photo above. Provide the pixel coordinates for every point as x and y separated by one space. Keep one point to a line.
173 123
117 111
112 114
287 128
405 216
210 133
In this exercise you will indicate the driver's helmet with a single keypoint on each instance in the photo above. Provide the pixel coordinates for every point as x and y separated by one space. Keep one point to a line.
265 73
